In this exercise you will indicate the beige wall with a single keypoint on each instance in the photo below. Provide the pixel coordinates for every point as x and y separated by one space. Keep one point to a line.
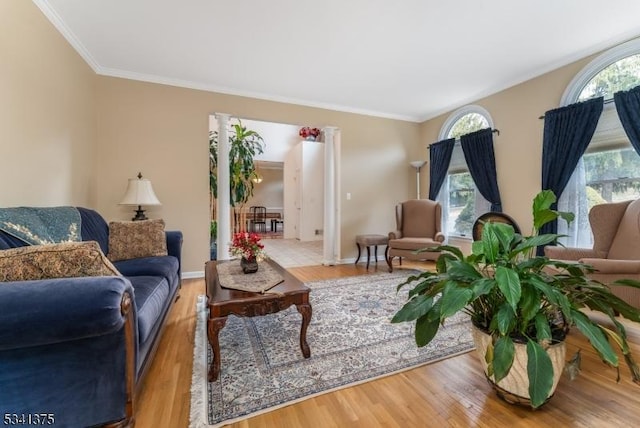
46 113
163 132
270 191
71 137
518 148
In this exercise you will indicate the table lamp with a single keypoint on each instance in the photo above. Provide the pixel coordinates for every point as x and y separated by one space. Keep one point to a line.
139 192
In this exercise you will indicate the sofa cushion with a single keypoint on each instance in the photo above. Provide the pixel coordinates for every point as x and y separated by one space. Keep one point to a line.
151 295
135 239
65 260
164 266
7 241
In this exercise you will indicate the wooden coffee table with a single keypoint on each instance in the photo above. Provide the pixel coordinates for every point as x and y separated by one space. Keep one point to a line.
222 302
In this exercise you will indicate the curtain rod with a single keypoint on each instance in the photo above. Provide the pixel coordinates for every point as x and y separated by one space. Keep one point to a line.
495 131
607 101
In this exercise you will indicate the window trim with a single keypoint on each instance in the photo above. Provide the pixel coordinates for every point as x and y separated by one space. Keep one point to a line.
602 61
444 132
459 113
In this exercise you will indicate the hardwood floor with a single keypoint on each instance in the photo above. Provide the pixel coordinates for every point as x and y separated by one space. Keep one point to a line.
449 393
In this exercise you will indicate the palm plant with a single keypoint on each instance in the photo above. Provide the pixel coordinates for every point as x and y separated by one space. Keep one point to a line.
517 297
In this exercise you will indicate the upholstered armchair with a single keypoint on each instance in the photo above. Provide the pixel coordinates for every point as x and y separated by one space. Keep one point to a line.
616 247
418 223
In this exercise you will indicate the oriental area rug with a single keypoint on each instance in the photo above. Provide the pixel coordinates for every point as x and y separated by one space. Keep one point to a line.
350 335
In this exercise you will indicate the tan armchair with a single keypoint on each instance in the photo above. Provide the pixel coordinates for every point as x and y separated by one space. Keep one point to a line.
418 223
616 247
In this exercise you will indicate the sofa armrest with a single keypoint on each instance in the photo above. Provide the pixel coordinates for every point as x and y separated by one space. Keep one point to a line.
174 243
569 253
174 248
611 266
51 311
439 237
395 235
69 346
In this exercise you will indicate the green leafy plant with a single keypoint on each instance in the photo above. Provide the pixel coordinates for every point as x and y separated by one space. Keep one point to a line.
244 145
518 297
213 230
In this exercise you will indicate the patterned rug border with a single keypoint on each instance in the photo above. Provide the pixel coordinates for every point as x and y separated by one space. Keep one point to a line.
199 387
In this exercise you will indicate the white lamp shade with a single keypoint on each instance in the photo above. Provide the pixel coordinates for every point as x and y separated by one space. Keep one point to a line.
139 192
417 164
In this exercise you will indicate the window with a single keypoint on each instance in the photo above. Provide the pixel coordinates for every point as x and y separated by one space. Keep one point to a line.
462 203
621 75
610 169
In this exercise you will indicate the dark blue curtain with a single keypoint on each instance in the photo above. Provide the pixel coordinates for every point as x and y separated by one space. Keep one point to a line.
478 152
628 106
567 133
440 157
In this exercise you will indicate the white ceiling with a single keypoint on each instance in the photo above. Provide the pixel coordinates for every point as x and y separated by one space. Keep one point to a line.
404 59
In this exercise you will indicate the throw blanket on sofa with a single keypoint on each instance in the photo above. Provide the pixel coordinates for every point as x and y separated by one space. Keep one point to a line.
38 226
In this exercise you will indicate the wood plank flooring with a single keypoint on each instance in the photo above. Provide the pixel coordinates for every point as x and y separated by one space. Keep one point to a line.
449 393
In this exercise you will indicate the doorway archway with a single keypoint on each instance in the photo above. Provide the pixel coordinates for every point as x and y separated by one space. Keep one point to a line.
329 229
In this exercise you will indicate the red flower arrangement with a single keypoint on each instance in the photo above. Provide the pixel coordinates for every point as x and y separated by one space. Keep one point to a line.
247 245
308 133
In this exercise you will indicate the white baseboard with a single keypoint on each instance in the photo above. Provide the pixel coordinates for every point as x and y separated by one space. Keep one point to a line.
193 275
352 260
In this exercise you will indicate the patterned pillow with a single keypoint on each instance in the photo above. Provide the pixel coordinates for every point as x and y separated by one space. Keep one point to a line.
133 239
65 260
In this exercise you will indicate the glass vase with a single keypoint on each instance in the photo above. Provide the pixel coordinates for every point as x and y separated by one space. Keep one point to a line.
249 265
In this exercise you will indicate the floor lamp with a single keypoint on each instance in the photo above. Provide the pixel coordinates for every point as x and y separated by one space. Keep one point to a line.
417 165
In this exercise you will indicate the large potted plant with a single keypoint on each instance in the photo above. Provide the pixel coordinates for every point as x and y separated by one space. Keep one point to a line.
521 307
244 145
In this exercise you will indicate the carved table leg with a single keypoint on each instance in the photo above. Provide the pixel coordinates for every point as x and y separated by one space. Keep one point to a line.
305 311
214 325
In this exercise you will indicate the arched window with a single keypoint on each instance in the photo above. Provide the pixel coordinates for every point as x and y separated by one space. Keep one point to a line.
610 168
461 201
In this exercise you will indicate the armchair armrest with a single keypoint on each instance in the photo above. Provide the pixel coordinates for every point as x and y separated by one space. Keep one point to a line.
569 253
50 311
395 234
611 266
439 237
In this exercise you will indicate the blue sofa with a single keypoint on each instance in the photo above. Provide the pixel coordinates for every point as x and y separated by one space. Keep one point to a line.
76 349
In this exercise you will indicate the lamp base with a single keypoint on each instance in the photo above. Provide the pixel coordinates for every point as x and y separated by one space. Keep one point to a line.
139 214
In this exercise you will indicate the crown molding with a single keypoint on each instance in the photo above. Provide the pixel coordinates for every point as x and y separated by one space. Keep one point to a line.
60 25
124 74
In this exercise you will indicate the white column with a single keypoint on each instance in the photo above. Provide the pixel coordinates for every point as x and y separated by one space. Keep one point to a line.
223 203
329 252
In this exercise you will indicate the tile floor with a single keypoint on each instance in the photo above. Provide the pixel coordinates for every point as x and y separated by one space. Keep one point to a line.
294 253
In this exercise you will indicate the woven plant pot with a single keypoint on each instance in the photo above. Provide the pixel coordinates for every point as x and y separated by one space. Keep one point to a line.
514 388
